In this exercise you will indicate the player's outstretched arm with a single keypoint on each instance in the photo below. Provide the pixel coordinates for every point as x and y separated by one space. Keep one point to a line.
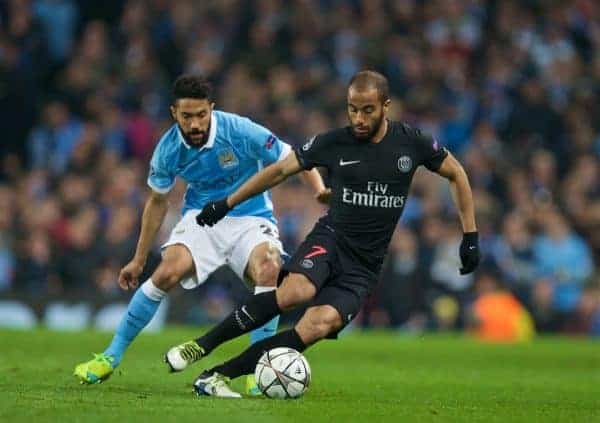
154 213
267 178
314 180
452 170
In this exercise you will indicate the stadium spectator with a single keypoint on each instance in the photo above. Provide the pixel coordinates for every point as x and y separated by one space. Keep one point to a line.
563 263
7 250
513 254
59 20
401 295
52 143
496 315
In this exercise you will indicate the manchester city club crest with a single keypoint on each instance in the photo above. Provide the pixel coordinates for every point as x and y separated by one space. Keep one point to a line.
404 164
227 159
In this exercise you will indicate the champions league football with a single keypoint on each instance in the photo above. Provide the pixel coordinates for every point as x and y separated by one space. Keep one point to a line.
282 373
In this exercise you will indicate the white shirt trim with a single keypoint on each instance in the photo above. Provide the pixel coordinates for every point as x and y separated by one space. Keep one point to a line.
160 190
265 194
212 133
285 151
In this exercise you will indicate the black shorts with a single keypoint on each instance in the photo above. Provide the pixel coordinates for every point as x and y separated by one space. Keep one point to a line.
342 281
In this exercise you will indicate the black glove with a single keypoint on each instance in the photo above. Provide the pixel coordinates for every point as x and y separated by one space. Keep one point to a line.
212 212
469 252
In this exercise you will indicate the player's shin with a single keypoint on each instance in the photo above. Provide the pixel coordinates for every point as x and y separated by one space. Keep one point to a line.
265 331
140 311
268 329
257 311
245 363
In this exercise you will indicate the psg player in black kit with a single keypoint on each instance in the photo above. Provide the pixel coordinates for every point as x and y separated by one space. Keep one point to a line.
371 164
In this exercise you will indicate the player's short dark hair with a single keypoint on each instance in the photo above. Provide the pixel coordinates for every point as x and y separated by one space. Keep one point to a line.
368 79
192 86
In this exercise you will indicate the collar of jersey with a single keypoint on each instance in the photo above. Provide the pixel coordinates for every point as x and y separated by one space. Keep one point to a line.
212 134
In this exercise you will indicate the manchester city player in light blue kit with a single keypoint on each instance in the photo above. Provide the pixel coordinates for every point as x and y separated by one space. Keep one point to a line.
215 153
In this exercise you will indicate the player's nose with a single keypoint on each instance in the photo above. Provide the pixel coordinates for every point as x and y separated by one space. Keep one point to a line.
360 122
360 119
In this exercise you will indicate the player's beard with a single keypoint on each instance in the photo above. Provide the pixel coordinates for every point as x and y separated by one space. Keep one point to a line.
194 142
367 137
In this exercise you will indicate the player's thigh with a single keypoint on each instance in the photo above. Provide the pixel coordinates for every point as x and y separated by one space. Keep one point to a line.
318 322
264 264
256 251
195 257
295 289
315 260
177 263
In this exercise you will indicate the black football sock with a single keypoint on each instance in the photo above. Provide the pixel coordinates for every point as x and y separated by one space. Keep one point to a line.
245 363
257 311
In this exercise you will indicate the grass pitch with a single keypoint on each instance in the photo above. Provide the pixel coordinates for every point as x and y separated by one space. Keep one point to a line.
367 377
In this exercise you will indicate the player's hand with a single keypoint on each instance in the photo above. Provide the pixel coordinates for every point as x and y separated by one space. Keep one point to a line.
469 252
212 212
323 196
128 277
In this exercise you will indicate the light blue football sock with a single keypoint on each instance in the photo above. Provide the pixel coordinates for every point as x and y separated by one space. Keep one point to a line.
141 309
268 329
265 331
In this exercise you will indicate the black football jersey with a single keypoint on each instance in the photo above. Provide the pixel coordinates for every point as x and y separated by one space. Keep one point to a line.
369 182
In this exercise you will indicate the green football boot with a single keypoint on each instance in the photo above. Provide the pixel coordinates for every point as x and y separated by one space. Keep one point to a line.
95 371
251 387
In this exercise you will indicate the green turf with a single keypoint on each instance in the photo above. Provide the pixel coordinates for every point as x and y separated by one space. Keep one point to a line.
363 377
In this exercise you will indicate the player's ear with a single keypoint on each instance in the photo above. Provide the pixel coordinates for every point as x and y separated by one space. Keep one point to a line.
386 104
173 111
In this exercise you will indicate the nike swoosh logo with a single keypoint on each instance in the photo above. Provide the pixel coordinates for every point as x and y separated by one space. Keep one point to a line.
317 250
343 163
472 247
247 314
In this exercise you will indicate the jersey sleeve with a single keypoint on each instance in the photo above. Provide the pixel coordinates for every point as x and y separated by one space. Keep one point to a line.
262 144
161 177
431 152
314 153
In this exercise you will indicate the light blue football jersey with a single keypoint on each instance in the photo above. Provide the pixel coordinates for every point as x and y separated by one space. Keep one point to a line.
236 149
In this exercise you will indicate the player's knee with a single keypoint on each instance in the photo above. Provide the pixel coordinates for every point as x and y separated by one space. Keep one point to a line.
328 320
176 263
266 272
166 276
295 290
267 275
318 322
264 266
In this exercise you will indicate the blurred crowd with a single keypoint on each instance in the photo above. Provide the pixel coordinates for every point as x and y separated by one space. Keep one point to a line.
511 87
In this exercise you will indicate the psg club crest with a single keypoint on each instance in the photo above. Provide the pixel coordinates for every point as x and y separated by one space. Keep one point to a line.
227 159
404 164
307 263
